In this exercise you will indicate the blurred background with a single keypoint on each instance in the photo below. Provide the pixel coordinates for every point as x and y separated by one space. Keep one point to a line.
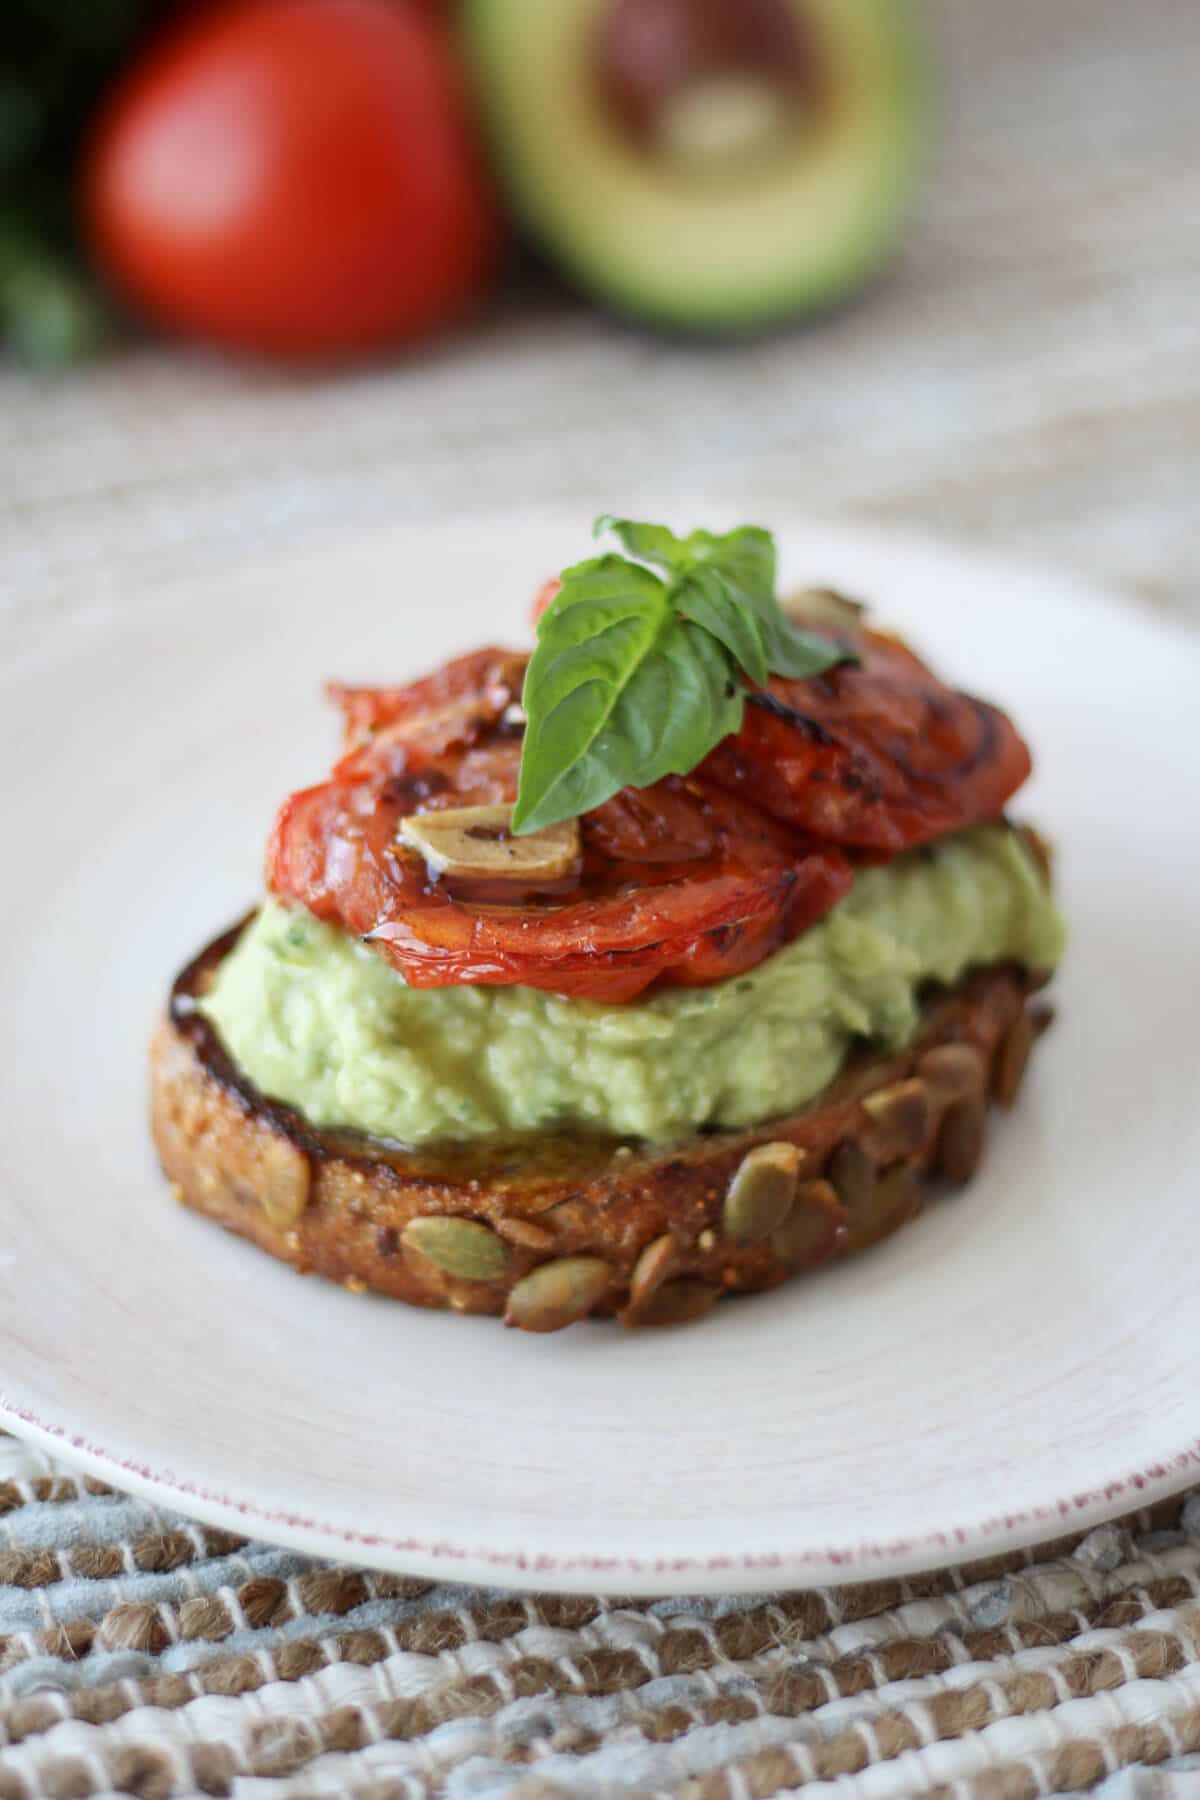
283 267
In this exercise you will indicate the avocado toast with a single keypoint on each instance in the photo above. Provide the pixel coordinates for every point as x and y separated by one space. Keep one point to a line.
658 965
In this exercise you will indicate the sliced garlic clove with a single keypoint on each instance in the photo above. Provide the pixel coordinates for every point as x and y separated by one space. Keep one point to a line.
822 610
476 843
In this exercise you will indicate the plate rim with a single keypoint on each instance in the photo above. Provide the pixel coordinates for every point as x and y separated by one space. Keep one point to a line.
581 1573
454 1559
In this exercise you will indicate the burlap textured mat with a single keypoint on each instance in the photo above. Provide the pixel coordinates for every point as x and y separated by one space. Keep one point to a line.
141 1654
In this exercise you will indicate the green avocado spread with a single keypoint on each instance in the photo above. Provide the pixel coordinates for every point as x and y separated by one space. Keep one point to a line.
320 1021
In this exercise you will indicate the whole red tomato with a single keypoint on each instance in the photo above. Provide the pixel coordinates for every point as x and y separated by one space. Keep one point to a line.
294 176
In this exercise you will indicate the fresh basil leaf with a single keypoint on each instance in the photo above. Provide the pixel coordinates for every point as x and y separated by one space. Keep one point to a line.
746 562
619 692
745 557
653 543
593 636
636 675
731 592
705 597
796 653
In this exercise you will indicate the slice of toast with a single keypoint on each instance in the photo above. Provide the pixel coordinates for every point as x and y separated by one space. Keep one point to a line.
548 1229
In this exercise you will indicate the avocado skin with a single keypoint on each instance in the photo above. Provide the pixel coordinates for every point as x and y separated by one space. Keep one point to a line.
822 264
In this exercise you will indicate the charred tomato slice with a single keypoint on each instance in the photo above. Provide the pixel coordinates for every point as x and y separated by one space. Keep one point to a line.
687 882
679 883
881 756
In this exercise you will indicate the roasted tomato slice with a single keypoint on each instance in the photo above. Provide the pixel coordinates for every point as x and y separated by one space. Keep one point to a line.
679 883
882 756
448 708
743 890
689 881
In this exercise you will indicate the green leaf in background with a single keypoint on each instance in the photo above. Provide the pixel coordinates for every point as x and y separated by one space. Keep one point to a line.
51 312
57 57
635 677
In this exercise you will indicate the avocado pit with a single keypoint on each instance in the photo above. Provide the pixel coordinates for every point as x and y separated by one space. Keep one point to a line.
705 84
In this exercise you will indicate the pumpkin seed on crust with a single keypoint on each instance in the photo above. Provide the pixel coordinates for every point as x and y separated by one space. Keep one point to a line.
678 1303
952 1072
286 1181
1012 1058
651 1269
761 1192
899 1118
558 1293
876 1204
960 1142
813 1228
460 1247
896 1200
853 1173
525 1233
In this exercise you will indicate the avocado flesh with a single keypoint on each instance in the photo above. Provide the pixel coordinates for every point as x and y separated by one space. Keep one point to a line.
318 1020
793 228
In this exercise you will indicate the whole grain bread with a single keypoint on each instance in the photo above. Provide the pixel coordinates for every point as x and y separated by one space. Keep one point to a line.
548 1229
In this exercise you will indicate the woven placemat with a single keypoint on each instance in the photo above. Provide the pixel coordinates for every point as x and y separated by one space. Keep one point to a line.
142 1654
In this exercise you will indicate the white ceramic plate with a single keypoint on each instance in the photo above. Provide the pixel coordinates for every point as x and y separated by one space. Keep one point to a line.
1023 1357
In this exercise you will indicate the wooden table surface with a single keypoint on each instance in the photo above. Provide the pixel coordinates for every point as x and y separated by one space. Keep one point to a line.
1028 375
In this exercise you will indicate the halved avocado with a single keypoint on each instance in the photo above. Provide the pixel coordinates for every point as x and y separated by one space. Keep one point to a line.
715 165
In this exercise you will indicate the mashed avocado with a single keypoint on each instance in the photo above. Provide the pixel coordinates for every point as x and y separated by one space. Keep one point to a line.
319 1021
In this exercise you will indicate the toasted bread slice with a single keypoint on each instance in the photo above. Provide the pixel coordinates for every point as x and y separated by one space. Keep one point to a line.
548 1229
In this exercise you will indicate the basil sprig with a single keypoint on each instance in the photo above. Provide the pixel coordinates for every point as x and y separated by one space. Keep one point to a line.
638 674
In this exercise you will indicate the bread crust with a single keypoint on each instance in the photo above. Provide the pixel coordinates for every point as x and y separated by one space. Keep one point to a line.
566 1224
